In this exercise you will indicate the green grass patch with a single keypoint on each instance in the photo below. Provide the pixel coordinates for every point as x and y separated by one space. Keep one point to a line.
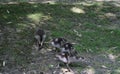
18 20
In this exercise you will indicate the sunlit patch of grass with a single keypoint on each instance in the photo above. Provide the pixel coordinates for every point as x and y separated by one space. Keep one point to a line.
35 17
116 71
97 39
110 15
61 22
50 2
77 10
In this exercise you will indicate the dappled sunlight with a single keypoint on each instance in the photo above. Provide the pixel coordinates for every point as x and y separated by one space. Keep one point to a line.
50 2
85 26
86 4
103 66
112 57
77 10
117 70
110 15
13 2
36 17
117 4
66 71
91 3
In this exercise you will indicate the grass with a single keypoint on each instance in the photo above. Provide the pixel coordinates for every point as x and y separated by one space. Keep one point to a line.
19 22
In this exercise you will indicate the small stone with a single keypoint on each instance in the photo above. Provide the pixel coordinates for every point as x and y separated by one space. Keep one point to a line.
103 66
51 65
4 63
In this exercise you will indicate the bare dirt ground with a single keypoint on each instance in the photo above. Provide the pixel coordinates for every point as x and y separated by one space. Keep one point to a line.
45 62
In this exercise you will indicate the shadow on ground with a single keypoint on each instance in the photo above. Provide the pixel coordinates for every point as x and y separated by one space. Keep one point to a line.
93 27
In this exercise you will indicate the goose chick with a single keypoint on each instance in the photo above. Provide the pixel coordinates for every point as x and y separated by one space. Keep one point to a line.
58 42
67 47
67 58
64 57
40 36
